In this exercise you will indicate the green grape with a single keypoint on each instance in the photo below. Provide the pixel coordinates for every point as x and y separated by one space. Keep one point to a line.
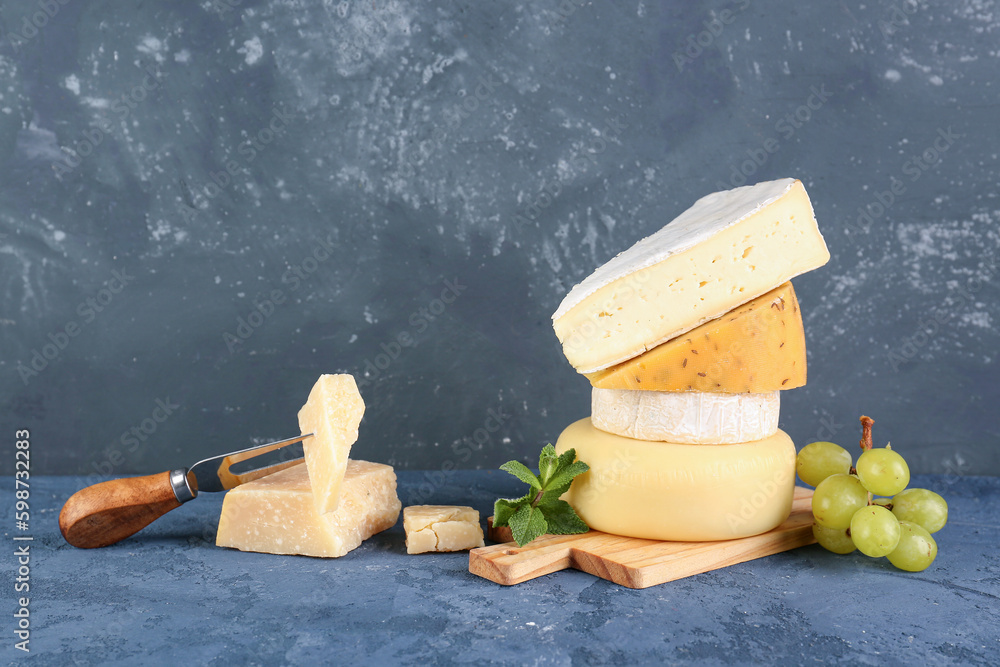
922 507
836 499
831 539
882 502
818 460
875 531
883 472
916 549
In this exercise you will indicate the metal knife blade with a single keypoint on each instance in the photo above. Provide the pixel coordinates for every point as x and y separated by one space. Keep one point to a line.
221 473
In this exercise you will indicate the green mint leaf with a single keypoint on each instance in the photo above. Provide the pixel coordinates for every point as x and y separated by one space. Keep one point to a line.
548 463
503 509
552 494
527 523
565 476
567 457
562 519
519 470
541 510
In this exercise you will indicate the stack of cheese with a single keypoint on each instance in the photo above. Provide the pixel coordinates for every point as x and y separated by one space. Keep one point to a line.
687 338
325 506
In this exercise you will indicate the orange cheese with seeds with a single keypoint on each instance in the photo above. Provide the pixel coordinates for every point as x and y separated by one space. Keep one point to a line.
755 348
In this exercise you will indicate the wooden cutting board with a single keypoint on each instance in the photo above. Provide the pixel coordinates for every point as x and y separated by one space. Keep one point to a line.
633 562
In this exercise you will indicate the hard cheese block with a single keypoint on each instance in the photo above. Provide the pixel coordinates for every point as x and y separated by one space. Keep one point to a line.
332 413
729 248
756 348
441 528
670 491
276 514
688 417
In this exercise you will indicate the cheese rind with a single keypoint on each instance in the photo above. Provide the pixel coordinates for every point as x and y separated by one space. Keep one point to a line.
332 413
276 514
691 418
729 248
669 491
441 528
756 348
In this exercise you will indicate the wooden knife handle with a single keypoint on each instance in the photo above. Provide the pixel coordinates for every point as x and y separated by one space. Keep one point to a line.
105 513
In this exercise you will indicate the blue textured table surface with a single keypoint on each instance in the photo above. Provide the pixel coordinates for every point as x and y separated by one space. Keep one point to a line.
169 595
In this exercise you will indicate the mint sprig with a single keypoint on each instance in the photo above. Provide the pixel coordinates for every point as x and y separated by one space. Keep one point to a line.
540 511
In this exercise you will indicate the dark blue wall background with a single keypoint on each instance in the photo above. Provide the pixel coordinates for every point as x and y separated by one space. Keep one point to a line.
425 181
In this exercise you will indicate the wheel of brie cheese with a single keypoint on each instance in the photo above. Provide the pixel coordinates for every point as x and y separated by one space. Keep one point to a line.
686 417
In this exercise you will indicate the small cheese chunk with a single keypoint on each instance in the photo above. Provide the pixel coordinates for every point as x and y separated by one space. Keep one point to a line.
756 348
276 514
686 417
729 248
441 528
332 414
669 491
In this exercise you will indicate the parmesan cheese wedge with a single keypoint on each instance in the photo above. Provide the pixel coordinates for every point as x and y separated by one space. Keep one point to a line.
729 248
332 414
276 514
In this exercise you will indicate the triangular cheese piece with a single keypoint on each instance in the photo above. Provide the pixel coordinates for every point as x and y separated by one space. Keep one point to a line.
332 413
729 248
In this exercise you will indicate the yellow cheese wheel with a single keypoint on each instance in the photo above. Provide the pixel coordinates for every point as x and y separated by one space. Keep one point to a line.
669 491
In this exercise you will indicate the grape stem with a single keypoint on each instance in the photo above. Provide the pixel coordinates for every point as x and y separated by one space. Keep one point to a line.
866 432
866 442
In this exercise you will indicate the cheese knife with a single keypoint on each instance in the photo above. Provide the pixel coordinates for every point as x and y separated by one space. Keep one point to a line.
108 512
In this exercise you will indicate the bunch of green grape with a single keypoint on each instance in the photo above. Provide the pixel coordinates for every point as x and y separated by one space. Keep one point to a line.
847 516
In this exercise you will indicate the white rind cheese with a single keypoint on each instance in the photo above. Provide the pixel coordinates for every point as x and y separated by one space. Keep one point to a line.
729 248
688 417
670 491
